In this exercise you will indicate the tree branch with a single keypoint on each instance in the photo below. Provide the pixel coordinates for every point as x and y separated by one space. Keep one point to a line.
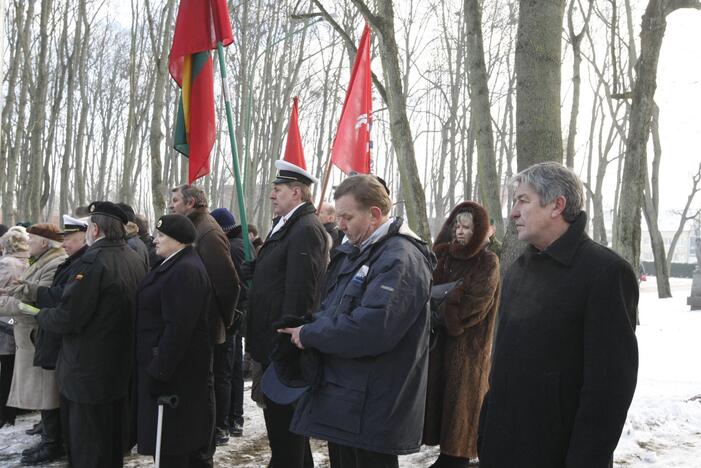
673 5
350 44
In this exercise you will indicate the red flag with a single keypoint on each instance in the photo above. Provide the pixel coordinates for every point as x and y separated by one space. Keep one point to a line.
351 147
200 25
294 153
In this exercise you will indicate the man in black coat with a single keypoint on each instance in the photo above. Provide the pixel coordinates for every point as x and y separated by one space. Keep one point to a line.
285 282
565 362
95 317
48 344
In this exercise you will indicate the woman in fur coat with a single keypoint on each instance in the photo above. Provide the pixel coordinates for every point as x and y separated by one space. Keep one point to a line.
460 358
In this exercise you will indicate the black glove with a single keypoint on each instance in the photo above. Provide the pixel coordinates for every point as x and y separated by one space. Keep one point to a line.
157 387
247 269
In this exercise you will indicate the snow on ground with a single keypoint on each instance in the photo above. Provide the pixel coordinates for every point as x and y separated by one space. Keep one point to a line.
663 427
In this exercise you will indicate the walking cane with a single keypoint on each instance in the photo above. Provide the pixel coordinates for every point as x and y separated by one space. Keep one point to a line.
172 401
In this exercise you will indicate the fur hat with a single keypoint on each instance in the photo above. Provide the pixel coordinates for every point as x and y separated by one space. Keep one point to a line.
179 227
14 240
48 231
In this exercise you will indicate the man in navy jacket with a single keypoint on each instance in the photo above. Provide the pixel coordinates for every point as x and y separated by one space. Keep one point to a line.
372 332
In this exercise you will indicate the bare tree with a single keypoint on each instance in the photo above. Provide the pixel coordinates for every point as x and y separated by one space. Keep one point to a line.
627 236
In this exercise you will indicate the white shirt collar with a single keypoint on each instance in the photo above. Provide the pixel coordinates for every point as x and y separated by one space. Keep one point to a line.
172 255
283 219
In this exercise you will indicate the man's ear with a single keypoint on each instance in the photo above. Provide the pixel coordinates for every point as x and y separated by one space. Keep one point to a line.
376 214
560 203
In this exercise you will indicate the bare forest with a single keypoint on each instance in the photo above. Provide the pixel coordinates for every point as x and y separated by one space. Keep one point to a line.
466 93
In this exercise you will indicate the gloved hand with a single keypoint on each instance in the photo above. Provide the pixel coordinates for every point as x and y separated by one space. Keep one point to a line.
247 269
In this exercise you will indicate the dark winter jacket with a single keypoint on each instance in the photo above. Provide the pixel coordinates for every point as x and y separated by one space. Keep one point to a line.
96 317
235 237
136 243
335 233
213 248
286 278
565 361
172 347
372 331
47 343
459 361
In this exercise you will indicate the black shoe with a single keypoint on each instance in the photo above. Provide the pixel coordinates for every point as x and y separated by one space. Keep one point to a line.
37 429
45 454
221 437
32 449
236 429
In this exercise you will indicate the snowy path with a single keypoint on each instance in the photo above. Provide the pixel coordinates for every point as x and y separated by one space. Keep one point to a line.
663 427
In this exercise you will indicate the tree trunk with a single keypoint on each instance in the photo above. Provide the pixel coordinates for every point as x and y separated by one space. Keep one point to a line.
400 131
538 79
37 117
654 23
479 98
158 191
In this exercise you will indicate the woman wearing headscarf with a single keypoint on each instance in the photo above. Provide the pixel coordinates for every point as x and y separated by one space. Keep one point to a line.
173 350
460 358
14 261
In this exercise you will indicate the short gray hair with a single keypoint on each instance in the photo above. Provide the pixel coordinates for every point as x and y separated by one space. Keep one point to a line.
110 227
551 180
191 192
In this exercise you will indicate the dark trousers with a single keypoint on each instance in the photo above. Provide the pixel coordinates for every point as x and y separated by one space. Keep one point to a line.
188 460
341 456
51 427
236 410
93 433
205 457
287 450
7 365
223 365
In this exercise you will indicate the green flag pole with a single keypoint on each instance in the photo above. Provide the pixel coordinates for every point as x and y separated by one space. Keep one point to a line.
234 153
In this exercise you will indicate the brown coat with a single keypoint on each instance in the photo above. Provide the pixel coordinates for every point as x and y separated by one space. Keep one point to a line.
213 248
460 359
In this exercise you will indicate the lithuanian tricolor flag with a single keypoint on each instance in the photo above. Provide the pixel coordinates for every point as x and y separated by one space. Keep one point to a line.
200 25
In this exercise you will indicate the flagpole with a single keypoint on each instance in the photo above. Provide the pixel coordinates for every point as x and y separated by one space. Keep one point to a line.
234 153
325 184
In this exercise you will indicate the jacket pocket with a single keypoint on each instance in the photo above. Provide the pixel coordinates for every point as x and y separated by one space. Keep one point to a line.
339 407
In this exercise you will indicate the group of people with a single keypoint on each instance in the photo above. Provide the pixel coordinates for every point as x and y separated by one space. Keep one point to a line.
349 342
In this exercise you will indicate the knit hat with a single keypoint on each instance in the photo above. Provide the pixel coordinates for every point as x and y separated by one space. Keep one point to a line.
177 226
46 230
225 218
106 208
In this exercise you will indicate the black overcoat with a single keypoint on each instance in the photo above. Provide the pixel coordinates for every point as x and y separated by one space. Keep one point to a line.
96 317
172 346
47 343
286 278
565 362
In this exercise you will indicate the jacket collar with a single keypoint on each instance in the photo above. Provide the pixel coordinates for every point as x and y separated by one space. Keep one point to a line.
565 247
164 267
197 215
302 210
